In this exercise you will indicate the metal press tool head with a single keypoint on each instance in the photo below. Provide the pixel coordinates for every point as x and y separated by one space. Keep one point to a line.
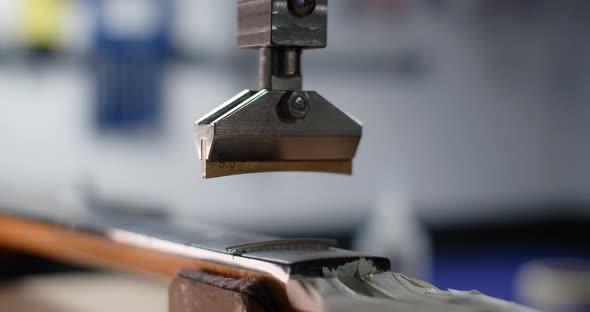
279 127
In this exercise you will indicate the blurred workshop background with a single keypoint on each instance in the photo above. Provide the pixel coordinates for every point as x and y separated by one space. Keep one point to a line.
474 167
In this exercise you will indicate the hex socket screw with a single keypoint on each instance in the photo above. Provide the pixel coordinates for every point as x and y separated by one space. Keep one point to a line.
302 8
298 105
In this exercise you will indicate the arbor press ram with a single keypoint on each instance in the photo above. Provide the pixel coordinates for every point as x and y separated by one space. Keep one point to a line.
279 127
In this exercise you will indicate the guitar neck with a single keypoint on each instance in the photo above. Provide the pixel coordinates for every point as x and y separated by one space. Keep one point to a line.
301 274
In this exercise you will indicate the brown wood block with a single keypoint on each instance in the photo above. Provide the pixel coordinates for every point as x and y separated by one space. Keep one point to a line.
193 291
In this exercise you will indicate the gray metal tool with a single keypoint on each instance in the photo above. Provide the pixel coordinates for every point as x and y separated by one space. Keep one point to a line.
279 127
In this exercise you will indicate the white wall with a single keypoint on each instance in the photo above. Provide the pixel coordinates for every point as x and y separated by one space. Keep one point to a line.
480 125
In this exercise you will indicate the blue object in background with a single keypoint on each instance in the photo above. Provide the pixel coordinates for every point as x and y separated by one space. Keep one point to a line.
492 268
132 43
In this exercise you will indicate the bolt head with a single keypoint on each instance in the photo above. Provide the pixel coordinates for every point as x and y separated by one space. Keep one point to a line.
298 105
302 7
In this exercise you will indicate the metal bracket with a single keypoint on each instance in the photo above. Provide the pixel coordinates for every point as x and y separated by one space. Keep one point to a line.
274 131
280 127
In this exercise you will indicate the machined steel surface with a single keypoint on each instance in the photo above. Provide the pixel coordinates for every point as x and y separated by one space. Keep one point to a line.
254 132
254 129
280 69
265 23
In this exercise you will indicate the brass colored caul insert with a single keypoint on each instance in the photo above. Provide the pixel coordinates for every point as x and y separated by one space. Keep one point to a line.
216 169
